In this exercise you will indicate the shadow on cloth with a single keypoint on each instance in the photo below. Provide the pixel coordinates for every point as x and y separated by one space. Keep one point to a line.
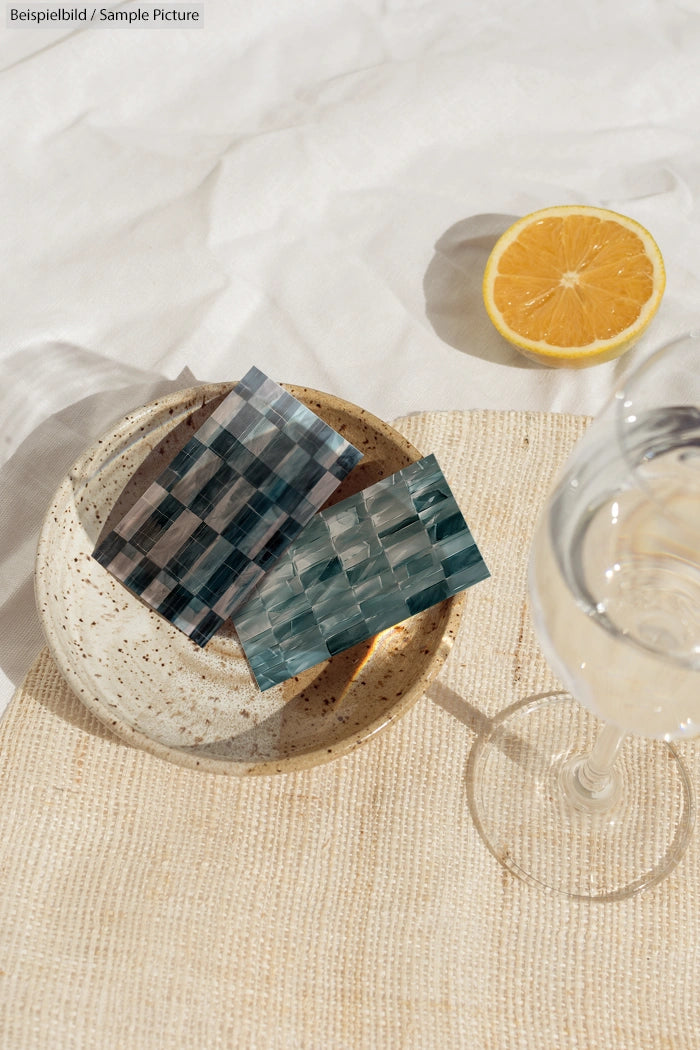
481 724
452 287
30 477
516 750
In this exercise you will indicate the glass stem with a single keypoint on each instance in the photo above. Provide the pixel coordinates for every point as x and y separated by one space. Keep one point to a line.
594 772
590 781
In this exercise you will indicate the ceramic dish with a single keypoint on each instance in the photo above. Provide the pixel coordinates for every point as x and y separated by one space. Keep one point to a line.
200 707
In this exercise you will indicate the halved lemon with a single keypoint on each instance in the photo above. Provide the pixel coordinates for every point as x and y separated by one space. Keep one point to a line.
573 285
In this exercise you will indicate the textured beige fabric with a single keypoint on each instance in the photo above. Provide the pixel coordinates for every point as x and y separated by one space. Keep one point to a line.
143 905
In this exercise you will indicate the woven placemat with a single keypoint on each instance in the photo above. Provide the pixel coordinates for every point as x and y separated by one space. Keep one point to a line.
143 905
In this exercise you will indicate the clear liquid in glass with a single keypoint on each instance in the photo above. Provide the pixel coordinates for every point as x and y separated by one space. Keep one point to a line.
615 577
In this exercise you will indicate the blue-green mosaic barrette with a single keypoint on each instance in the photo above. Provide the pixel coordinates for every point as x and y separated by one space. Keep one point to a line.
242 488
358 568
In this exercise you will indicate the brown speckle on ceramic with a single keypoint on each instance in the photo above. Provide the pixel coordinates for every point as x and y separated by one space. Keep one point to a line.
200 707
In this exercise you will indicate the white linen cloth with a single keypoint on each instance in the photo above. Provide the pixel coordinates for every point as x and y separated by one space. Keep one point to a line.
312 187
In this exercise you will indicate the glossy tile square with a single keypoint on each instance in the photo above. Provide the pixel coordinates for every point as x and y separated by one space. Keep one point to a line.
232 500
359 567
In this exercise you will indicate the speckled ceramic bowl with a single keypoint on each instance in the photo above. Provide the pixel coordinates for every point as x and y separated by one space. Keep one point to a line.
200 707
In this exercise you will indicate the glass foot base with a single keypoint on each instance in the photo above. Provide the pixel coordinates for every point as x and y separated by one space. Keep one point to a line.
518 798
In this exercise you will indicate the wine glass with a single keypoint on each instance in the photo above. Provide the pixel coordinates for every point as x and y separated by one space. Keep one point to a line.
589 797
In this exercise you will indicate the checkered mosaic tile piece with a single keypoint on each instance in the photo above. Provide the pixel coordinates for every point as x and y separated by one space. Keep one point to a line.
227 506
359 567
